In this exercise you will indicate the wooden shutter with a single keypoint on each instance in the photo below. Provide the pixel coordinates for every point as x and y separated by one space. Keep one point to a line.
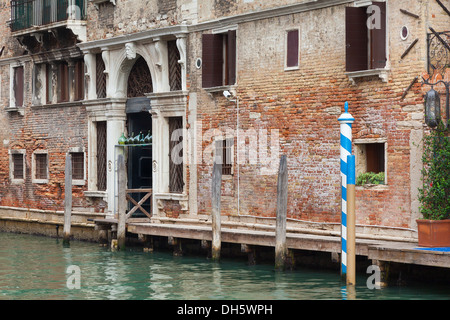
63 82
79 80
378 40
356 39
231 57
18 86
292 49
212 60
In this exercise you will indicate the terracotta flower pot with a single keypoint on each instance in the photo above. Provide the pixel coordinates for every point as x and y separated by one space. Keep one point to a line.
433 233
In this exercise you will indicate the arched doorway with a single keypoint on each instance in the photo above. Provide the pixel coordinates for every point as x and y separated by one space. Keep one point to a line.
139 120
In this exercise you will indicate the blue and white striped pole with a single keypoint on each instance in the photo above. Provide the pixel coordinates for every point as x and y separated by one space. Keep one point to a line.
345 121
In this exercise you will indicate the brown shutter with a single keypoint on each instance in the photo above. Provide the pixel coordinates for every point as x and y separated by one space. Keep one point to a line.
18 86
356 40
292 49
63 82
212 63
79 80
378 40
231 56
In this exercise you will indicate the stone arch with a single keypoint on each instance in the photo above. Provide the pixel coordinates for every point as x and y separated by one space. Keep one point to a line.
125 65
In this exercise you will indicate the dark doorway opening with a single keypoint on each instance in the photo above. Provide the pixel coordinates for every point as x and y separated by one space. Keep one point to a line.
139 160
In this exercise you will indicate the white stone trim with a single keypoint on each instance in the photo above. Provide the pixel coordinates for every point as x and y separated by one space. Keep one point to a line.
11 165
33 167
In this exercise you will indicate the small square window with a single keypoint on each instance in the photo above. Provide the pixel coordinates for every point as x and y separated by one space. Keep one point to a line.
371 163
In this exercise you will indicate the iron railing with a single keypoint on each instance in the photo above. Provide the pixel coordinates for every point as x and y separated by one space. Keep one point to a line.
34 13
438 52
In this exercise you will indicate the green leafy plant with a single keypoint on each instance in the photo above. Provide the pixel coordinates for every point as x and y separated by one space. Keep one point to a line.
370 178
435 192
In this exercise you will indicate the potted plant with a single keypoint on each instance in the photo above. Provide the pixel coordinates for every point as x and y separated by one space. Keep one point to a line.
434 229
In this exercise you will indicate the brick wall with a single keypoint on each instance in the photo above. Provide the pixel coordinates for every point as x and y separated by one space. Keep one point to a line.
304 104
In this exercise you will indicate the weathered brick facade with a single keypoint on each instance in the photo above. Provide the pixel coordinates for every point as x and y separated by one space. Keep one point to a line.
296 109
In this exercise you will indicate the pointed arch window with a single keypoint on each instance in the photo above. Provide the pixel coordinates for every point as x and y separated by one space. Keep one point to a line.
139 80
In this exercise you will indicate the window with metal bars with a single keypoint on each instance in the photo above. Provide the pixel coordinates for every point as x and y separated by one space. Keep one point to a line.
224 154
100 76
101 155
176 182
77 165
41 166
18 166
174 66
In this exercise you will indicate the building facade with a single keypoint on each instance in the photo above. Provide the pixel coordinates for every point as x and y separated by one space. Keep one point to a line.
243 81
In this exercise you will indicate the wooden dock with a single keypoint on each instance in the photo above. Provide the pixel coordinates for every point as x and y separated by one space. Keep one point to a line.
406 252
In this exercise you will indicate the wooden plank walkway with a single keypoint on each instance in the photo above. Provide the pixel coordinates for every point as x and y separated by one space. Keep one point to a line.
390 251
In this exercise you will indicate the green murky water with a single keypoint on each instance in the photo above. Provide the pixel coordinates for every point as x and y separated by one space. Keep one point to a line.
33 267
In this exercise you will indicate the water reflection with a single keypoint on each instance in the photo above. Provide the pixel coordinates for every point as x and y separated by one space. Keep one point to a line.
35 268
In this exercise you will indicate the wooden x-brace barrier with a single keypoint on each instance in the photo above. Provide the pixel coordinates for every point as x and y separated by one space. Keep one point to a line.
138 205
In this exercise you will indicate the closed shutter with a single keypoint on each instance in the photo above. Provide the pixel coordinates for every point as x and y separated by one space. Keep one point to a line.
356 39
212 56
18 86
79 80
231 56
378 40
63 82
292 49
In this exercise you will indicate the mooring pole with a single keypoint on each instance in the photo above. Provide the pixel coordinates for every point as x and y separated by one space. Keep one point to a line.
351 217
215 216
345 121
67 199
280 236
122 203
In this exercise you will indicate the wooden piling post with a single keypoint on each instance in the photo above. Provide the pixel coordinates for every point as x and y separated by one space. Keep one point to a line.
121 224
351 244
67 199
282 190
216 188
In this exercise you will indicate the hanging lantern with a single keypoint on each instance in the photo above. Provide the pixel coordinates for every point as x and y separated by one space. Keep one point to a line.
432 108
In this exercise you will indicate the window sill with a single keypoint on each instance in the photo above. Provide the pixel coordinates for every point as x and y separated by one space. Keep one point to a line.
375 187
77 182
40 181
220 89
97 2
291 68
59 104
171 196
381 73
20 110
95 194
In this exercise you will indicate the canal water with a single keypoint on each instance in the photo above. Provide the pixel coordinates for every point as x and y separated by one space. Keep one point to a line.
41 268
